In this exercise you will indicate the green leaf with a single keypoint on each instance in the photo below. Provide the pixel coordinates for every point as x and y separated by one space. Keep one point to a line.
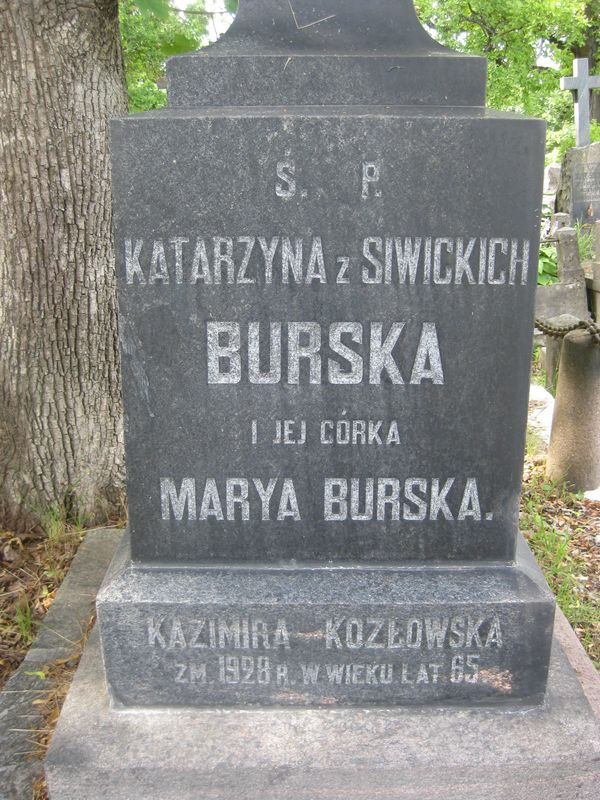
179 43
529 45
148 40
160 8
231 6
547 266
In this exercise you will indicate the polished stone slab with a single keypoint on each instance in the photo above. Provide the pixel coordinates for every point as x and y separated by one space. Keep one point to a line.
326 254
326 636
411 227
329 52
551 752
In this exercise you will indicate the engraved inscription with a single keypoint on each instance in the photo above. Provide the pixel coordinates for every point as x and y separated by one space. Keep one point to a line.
376 260
337 358
373 361
336 633
586 182
286 183
460 642
371 174
357 499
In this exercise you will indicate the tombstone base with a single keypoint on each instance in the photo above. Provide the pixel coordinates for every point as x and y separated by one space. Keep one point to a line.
543 753
326 636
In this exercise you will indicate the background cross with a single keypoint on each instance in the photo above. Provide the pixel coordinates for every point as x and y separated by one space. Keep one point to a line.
581 84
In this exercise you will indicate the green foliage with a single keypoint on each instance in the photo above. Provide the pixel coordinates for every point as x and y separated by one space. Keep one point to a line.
54 522
25 621
529 45
585 240
151 31
548 262
559 141
559 557
38 673
160 8
534 444
547 266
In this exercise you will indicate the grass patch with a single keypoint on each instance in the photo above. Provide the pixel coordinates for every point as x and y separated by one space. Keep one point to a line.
534 443
538 373
32 567
563 530
25 620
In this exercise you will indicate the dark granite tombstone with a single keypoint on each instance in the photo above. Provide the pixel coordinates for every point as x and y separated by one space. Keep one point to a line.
327 263
579 186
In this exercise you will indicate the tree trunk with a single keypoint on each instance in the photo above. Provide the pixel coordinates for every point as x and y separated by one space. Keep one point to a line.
61 79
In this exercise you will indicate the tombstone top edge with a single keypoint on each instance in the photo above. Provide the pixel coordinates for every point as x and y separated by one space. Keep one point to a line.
327 26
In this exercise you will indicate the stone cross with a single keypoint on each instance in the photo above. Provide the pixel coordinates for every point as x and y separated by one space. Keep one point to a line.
581 84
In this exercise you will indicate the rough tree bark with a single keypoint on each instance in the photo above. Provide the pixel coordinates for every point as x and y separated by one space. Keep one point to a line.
61 79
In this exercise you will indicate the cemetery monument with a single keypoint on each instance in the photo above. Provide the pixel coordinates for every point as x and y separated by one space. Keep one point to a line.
581 84
327 255
579 186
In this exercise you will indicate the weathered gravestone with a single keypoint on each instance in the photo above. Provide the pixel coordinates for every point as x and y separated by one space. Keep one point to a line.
326 316
579 187
593 282
327 264
569 295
